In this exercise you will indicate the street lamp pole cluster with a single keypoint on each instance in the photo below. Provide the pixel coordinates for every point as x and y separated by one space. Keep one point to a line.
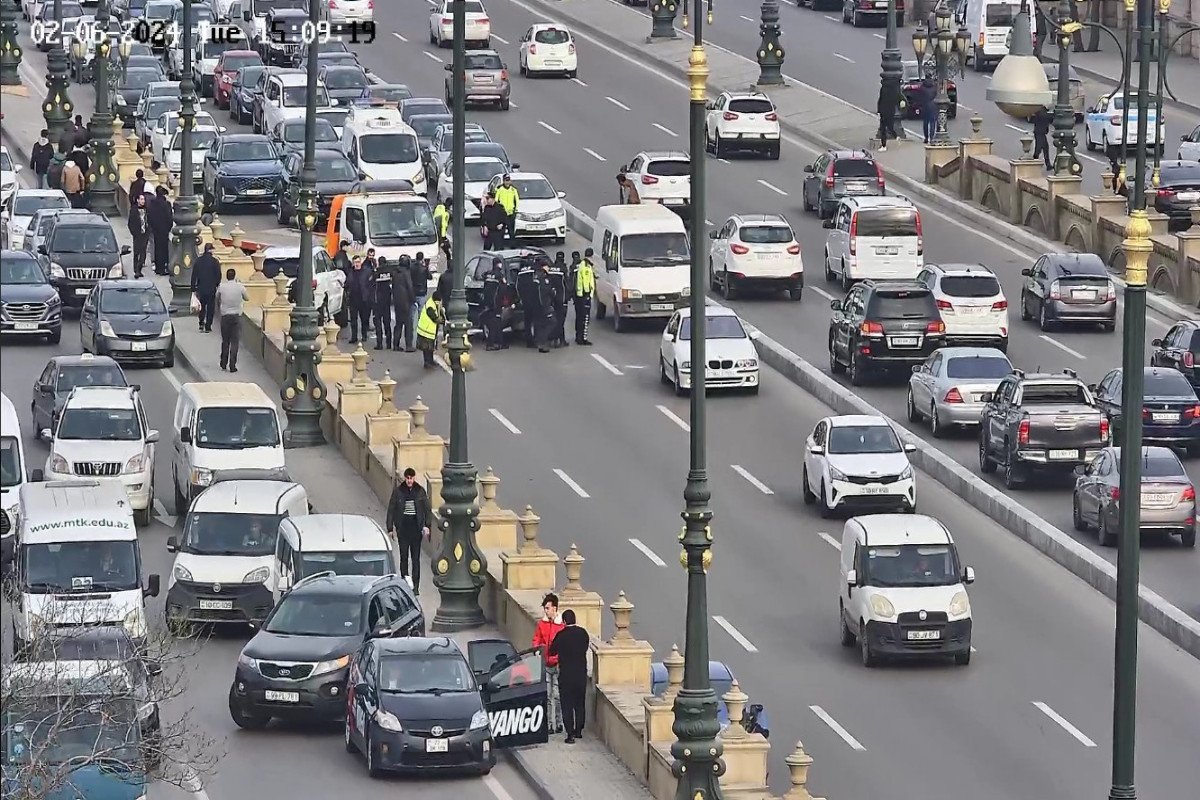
57 108
10 51
303 392
1065 160
891 69
945 43
770 49
102 172
185 238
459 567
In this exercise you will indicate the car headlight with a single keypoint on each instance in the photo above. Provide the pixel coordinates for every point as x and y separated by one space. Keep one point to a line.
106 329
56 271
960 605
53 300
882 607
58 464
836 474
182 573
479 721
686 366
201 476
167 329
248 662
747 363
18 230
907 474
135 623
259 575
333 665
631 294
135 464
686 292
116 270
387 720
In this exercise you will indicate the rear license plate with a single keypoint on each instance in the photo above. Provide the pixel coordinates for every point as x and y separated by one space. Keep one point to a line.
1085 294
1189 196
903 341
26 326
281 697
1161 416
662 307
216 605
886 251
138 347
924 636
1064 454
82 292
437 745
856 188
976 397
874 490
554 63
972 310
256 192
1157 499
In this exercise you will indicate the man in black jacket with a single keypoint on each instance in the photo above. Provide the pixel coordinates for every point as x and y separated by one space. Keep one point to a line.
547 307
421 276
358 297
1042 122
495 223
206 277
889 101
558 281
571 646
527 292
40 158
402 304
382 300
162 218
139 229
408 515
492 284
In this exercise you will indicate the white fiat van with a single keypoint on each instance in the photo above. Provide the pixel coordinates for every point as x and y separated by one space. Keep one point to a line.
224 563
345 544
902 592
12 475
873 237
642 261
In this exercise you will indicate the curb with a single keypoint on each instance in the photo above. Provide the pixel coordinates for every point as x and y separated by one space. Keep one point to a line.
516 758
1100 574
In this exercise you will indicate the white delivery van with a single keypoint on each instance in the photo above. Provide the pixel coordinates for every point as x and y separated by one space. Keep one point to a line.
395 222
224 562
381 145
990 24
344 544
78 560
902 592
642 261
873 237
223 431
12 476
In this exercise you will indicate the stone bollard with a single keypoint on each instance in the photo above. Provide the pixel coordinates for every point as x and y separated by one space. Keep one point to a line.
276 315
259 288
147 160
336 367
237 236
658 711
281 290
361 357
746 754
217 229
798 764
531 566
421 450
735 701
976 126
163 177
674 663
388 422
1195 212
586 605
622 660
497 526
1026 146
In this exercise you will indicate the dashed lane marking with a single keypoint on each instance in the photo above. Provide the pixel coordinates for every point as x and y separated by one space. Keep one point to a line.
494 786
743 16
1016 128
831 18
608 365
772 187
171 379
878 35
821 292
648 553
836 727
441 362
617 102
735 633
753 481
500 38
581 83
1063 347
829 540
1063 723
434 57
505 421
678 420
400 36
569 481
665 130
594 154
550 128
847 59
723 160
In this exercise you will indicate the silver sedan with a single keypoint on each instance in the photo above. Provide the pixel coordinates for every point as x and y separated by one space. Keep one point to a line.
952 387
1168 498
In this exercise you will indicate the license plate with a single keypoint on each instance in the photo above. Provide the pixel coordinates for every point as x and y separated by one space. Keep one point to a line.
1157 499
972 310
903 341
535 226
216 605
1189 195
924 636
1160 416
662 307
886 251
437 745
281 697
256 192
673 201
1084 295
856 188
550 63
139 347
976 397
82 292
874 490
1064 454
26 326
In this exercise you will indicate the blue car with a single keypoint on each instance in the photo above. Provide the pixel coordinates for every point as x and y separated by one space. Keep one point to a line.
721 678
1170 408
241 169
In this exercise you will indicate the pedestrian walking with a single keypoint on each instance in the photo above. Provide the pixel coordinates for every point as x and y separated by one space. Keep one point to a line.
40 157
889 101
509 198
548 627
929 109
421 276
73 184
1042 121
547 305
137 186
558 283
527 292
231 296
139 229
408 515
585 290
494 223
445 284
383 304
402 302
570 647
427 328
358 297
81 158
206 277
162 219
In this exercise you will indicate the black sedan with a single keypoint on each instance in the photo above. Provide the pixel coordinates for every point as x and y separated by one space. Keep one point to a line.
910 88
335 175
1170 409
288 136
1178 191
241 93
29 305
480 265
129 91
344 82
59 378
127 320
422 105
243 169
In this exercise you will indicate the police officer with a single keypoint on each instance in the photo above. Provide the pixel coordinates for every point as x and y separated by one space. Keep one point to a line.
441 219
403 299
383 304
558 281
420 283
493 285
427 328
547 307
508 197
584 285
494 223
527 292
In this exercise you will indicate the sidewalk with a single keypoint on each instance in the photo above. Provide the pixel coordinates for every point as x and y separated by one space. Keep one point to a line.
1183 73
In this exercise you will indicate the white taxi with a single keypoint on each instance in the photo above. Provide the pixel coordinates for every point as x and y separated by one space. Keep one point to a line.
755 251
547 48
20 208
971 302
1102 124
732 357
742 121
856 463
441 24
540 211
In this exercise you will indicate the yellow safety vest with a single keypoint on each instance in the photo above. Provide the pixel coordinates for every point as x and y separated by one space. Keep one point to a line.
507 197
426 327
585 280
442 218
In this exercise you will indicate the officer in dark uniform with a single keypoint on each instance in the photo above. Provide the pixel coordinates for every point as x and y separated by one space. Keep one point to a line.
547 306
527 292
558 282
493 283
403 300
383 305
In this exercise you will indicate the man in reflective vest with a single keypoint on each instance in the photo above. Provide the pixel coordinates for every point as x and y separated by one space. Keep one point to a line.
441 222
508 197
585 289
427 328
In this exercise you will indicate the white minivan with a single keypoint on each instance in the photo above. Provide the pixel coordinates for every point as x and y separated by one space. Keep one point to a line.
12 475
344 544
224 563
873 237
78 561
642 262
382 146
223 431
990 25
902 591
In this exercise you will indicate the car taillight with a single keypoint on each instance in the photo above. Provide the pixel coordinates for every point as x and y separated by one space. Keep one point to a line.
772 117
880 180
571 49
1055 291
1111 294
483 20
1023 432
1189 493
981 38
1104 430
953 396
866 4
794 250
1165 193
1000 305
314 283
333 4
1114 493
854 234
503 74
371 4
648 180
1189 360
871 329
829 178
447 20
729 115
944 305
920 236
1192 413
1115 119
936 327
739 249
533 49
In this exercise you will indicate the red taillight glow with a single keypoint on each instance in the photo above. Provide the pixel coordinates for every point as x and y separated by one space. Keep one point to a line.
1189 360
314 283
1023 432
1055 291
953 396
1115 493
1104 430
1115 119
1189 493
879 178
829 178
871 329
1000 305
1192 413
944 305
936 327
729 115
649 180
1165 193
772 117
853 232
571 49
739 249
794 250
533 49
447 20
483 20
503 74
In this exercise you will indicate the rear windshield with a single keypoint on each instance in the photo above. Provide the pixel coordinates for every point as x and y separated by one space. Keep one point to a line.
1195 345
1162 465
887 222
903 305
1001 16
751 105
552 36
345 79
1054 393
489 61
1084 280
970 285
766 234
1180 173
670 169
1168 383
978 367
855 168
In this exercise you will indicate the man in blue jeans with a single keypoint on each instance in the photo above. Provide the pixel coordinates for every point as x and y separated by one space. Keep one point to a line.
929 109
421 276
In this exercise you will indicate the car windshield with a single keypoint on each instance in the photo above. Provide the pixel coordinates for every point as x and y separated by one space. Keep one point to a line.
139 301
479 171
721 326
427 124
227 428
1054 394
912 565
213 50
389 148
341 562
248 151
159 10
670 168
21 271
99 424
765 234
83 239
970 286
1158 463
884 222
845 439
27 205
1001 16
5 162
316 614
390 94
654 249
534 189
11 471
105 565
201 140
293 133
396 222
235 63
1168 383
425 674
140 78
484 62
261 7
94 375
335 169
978 367
87 730
294 96
334 116
225 534
552 36
345 78
162 105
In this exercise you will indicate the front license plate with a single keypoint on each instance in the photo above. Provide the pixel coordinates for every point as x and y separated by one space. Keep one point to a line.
216 605
437 745
139 347
256 192
874 490
281 697
26 326
924 636
662 307
82 292
1064 454
1158 416
535 226
903 341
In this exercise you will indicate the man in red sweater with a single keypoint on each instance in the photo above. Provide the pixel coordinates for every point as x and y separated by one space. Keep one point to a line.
543 634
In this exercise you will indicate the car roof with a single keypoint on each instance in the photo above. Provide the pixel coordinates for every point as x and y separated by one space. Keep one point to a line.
337 584
482 159
875 201
288 12
91 220
342 66
243 137
413 645
717 671
761 219
1082 263
230 394
242 497
966 351
23 191
901 285
340 532
61 505
9 255
525 176
1150 450
239 53
290 79
961 269
894 530
710 312
847 420
839 153
82 359
116 397
287 250
127 283
665 155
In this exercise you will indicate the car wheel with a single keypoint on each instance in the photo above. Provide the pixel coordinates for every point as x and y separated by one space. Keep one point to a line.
773 152
55 337
857 372
835 367
504 104
805 489
856 19
1189 538
679 390
717 149
1043 320
796 294
348 737
846 282
1077 520
1087 138
830 277
619 325
245 720
281 214
1108 327
169 361
373 769
986 464
935 424
869 659
663 377
910 407
848 636
181 503
1106 537
727 290
601 311
1013 474
1025 315
141 517
712 278
963 659
823 503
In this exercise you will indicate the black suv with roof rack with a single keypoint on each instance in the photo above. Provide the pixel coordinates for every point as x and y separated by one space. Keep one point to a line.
883 326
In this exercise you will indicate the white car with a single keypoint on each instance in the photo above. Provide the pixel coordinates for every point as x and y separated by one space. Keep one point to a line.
1102 124
20 207
547 48
102 433
971 302
742 121
856 463
167 125
732 357
8 175
285 97
660 177
755 251
344 12
479 171
540 212
202 141
328 280
441 24
30 9
1189 147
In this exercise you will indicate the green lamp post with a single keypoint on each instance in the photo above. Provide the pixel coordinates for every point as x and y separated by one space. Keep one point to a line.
10 51
662 19
57 108
102 172
185 238
1065 160
891 68
770 49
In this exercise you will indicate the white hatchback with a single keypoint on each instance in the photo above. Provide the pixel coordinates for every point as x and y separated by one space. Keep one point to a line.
731 355
344 12
19 209
441 24
857 463
548 49
972 304
659 177
755 251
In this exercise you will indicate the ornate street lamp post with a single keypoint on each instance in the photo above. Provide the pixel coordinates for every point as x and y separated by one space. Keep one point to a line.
1166 45
185 238
102 173
57 108
662 18
459 566
1065 160
697 751
770 49
303 392
891 69
945 43
10 51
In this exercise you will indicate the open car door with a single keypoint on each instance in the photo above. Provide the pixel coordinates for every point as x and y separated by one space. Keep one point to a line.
513 687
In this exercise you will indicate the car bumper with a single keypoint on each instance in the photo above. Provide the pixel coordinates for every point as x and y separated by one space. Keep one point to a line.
142 350
51 324
485 94
959 413
565 64
1082 312
1167 434
1177 210
237 603
231 196
137 485
788 280
72 292
1042 458
649 309
723 379
555 227
408 751
897 494
994 337
890 639
1170 521
749 140
345 17
319 698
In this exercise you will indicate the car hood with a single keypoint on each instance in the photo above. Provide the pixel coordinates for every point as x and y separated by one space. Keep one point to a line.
332 188
26 293
136 324
907 599
85 259
868 464
450 710
729 349
268 646
131 96
84 450
249 168
298 147
551 205
214 569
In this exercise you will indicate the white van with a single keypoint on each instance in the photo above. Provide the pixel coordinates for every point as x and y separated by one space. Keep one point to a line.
902 591
990 24
345 544
381 145
873 237
12 476
224 562
223 431
643 262
78 560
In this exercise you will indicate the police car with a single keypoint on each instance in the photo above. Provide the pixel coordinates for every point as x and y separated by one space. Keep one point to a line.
1102 124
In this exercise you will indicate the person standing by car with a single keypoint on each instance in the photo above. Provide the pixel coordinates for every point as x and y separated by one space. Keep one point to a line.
508 197
494 223
548 627
382 286
421 276
408 515
206 277
584 284
139 229
358 298
402 302
427 329
889 100
231 295
162 219
570 647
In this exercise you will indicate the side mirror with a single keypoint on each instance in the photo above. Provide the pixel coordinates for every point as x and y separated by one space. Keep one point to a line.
361 687
562 195
1027 272
1183 138
817 450
1156 342
153 584
46 389
910 448
185 435
835 304
968 575
852 578
514 166
624 168
362 176
37 476
829 224
252 625
449 67
381 632
42 250
246 16
126 249
172 544
47 434
809 168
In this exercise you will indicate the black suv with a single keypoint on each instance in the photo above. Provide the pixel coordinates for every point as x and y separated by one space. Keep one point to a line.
296 666
883 325
1178 191
1180 349
837 174
29 305
80 251
335 175
1069 288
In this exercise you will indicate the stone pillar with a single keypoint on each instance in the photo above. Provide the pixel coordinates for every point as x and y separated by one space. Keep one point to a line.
388 422
936 157
1109 206
361 395
259 288
973 146
335 367
497 526
217 229
422 450
745 753
1021 169
530 566
585 604
622 660
798 764
277 314
128 161
659 713
1059 186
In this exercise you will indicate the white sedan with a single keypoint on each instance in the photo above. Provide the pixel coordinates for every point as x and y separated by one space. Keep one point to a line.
165 128
732 357
441 24
540 212
345 12
328 281
20 208
856 463
478 171
548 49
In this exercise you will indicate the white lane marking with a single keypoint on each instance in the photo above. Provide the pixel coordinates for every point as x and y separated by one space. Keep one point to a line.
648 553
966 108
616 102
709 222
831 18
569 481
847 59
505 421
1092 158
499 38
581 83
160 513
878 35
608 365
743 16
550 127
1062 722
836 727
753 481
821 292
441 362
665 129
491 781
434 57
399 36
678 420
1063 347
1016 128
772 187
832 542
594 154
171 379
735 633
723 160
513 104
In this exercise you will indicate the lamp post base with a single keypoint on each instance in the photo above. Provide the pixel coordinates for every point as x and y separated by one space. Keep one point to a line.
662 17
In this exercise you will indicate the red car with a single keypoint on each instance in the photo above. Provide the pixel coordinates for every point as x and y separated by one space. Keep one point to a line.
227 66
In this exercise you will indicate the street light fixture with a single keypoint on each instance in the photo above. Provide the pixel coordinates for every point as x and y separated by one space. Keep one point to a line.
185 239
57 108
303 391
1065 160
10 51
1019 86
770 49
102 173
125 50
459 567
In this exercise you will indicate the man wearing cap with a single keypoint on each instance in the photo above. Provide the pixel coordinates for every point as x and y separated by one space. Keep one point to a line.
495 223
584 285
547 307
508 197
558 282
492 284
